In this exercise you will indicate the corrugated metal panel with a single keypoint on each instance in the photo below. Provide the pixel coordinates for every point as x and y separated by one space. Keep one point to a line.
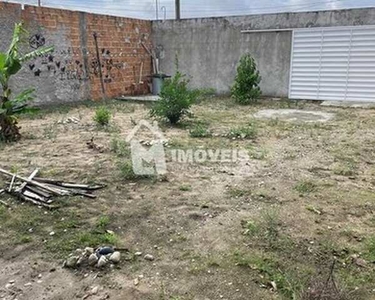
336 63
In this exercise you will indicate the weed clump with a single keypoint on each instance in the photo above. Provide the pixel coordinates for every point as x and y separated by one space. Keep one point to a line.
200 131
248 132
102 116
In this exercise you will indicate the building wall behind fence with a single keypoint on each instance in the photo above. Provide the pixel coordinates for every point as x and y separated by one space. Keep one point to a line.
208 49
71 72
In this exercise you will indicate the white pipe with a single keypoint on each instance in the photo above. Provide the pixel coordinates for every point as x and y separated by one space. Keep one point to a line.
267 30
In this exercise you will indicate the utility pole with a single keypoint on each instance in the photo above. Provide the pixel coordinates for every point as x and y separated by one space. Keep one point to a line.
39 4
178 10
157 9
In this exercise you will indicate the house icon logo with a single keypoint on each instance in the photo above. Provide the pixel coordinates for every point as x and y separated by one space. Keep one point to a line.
147 161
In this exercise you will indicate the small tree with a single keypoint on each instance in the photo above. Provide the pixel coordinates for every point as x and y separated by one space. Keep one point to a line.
10 64
175 99
246 86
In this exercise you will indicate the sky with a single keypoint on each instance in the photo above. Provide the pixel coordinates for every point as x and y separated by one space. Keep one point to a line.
146 9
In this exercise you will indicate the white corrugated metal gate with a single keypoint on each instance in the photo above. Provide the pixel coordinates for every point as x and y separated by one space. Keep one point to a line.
336 63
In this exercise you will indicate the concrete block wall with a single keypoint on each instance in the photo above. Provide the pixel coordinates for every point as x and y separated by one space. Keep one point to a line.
72 72
208 49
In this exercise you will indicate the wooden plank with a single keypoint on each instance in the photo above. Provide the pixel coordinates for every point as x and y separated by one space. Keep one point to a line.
38 191
27 199
4 203
23 185
32 182
36 197
11 183
70 184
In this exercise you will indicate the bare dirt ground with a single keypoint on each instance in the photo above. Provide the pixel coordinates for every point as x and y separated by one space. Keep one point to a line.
267 228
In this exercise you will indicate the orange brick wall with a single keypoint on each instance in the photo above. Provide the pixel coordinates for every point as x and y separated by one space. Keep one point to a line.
72 72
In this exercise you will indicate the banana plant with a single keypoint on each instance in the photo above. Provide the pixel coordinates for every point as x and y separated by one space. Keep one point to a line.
10 64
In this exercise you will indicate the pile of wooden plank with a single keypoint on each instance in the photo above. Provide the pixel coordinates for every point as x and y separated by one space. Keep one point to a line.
42 191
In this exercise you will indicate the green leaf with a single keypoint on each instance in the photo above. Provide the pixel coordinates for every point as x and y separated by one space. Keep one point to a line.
23 97
3 58
13 67
36 53
18 32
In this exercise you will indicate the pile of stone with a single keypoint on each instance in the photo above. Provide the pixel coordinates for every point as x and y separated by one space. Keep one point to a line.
101 257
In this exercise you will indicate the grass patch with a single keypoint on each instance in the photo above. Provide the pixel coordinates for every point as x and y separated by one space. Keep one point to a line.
120 148
244 133
345 169
185 188
259 154
200 131
265 228
370 249
238 193
82 236
103 222
127 173
287 283
305 187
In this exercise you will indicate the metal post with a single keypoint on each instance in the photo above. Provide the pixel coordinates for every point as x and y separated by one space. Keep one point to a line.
39 3
157 9
178 10
99 65
164 9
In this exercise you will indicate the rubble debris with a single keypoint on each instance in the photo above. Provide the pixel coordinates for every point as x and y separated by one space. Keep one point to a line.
41 191
94 146
68 120
101 257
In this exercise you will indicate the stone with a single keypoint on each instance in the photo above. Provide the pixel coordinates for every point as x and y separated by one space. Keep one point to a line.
82 260
93 259
94 290
115 257
138 253
78 252
71 262
103 261
149 257
105 250
89 250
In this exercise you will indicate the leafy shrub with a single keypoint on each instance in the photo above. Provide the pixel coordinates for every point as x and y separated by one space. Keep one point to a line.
176 99
246 86
200 131
102 116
